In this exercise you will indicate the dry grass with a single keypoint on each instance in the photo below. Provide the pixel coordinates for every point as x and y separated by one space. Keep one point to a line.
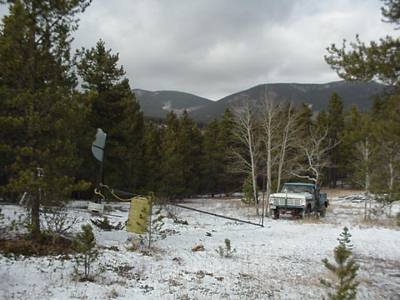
383 222
311 220
44 246
339 192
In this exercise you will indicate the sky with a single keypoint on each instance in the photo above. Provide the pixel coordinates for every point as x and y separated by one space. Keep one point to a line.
213 48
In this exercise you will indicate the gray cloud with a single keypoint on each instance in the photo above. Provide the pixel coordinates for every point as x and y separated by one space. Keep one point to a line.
216 47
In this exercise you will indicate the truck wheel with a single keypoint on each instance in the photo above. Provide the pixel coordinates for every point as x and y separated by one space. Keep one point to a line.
322 212
305 213
276 213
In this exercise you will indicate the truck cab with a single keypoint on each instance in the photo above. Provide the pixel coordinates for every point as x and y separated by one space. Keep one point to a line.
298 199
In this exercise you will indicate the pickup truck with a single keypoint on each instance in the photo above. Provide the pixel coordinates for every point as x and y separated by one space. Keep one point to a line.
298 199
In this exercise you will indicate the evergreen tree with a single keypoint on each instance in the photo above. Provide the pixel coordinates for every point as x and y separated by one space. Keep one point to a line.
172 183
225 141
360 147
386 137
345 270
181 156
85 243
152 157
115 110
322 121
378 60
335 125
248 196
38 106
391 11
213 166
189 147
304 120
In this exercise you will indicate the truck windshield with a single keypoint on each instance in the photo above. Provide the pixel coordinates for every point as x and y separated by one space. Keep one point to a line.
292 188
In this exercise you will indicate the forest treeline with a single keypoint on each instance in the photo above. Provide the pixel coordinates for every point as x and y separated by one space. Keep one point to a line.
52 101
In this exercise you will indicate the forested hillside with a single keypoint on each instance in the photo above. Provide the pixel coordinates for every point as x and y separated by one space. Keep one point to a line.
360 94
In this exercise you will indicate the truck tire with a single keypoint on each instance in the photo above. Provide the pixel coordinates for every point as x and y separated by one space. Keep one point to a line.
276 213
322 212
305 213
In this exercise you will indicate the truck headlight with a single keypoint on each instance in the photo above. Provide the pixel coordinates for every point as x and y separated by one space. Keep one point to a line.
303 201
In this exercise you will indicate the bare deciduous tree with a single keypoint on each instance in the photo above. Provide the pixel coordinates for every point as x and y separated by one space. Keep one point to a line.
246 155
289 140
314 149
271 123
389 154
362 165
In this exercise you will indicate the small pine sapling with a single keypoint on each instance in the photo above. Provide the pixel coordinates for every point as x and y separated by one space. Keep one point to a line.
248 196
345 270
227 251
84 244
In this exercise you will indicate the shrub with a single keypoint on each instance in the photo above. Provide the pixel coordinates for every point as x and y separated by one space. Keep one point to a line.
105 224
226 251
345 270
85 243
57 220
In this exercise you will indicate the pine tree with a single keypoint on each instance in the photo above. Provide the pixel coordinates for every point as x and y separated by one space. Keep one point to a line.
189 147
84 243
225 142
213 160
181 165
248 196
335 125
172 181
376 60
39 108
152 157
345 270
360 147
304 120
386 161
114 109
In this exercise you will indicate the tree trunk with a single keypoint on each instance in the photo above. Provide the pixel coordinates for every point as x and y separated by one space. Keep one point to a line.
391 184
283 152
35 217
253 170
269 162
367 177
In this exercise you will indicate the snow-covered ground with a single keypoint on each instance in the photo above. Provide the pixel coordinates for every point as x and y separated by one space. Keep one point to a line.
281 260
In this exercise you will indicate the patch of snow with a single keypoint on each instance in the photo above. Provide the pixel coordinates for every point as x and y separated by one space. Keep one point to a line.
281 260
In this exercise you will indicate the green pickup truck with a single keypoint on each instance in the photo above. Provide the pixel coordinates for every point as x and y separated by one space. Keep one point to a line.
300 199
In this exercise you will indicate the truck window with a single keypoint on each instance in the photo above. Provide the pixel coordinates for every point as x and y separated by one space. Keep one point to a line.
293 188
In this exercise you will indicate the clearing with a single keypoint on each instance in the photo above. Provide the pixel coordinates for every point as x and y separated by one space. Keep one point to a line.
280 261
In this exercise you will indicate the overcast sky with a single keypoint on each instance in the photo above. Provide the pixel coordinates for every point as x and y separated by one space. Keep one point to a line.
213 48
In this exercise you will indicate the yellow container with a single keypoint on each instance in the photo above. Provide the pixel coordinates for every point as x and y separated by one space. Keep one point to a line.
139 214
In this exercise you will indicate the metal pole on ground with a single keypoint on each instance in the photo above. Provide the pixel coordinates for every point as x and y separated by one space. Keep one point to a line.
217 215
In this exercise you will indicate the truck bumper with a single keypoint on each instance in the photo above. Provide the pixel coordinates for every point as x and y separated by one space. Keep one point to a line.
286 207
293 210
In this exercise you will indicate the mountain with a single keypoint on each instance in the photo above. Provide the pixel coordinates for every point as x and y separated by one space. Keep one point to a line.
361 94
158 103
